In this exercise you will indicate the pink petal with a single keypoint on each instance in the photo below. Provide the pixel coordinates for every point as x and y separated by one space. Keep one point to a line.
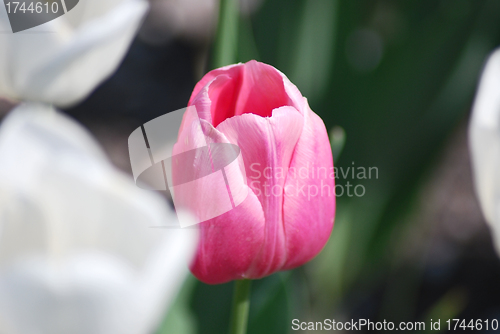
228 243
208 177
308 216
231 71
253 87
267 145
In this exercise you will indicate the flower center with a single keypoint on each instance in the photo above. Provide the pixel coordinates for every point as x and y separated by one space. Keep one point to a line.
253 88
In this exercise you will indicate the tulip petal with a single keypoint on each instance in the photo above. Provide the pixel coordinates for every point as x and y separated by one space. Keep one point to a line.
309 207
228 243
261 91
251 88
238 228
267 145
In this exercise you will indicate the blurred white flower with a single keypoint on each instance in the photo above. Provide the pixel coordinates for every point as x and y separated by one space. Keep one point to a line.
77 251
484 141
62 61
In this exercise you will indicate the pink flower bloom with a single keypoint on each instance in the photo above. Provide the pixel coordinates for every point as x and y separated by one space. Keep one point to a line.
287 215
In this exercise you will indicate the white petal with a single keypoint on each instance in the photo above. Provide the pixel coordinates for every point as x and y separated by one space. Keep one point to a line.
63 60
78 253
484 141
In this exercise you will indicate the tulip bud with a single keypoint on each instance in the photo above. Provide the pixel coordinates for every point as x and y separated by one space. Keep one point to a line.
286 174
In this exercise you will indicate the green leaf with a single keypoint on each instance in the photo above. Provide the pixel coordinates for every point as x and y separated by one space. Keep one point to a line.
226 42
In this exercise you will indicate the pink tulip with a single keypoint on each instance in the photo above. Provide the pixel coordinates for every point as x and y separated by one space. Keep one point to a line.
287 215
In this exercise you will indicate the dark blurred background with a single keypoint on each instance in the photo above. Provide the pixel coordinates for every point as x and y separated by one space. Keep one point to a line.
399 78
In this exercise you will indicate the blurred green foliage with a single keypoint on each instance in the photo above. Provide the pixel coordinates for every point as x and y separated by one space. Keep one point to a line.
397 76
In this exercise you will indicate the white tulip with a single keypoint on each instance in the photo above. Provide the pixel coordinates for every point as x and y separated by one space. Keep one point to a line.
484 142
62 61
79 249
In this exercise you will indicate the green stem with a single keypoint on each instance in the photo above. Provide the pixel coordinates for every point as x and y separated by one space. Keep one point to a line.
226 42
241 305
